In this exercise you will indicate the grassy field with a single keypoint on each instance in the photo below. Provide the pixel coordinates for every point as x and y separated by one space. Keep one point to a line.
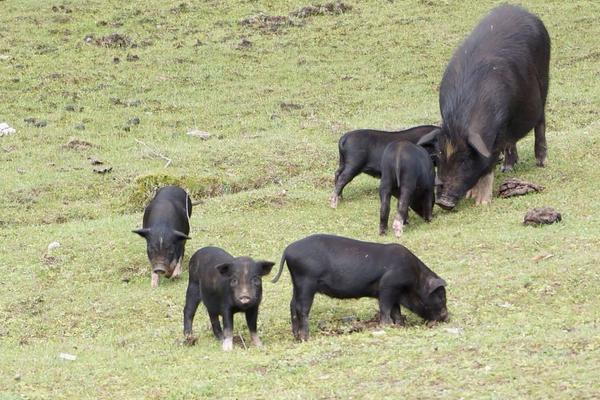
275 94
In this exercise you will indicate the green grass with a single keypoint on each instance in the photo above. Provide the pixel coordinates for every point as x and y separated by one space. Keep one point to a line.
518 328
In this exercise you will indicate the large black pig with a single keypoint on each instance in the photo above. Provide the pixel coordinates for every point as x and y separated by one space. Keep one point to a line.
492 93
349 269
407 174
361 151
166 227
226 285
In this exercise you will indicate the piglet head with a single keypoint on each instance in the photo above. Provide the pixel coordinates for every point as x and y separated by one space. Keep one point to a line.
244 278
434 299
164 247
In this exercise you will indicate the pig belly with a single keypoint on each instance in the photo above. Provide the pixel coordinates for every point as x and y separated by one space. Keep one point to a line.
346 290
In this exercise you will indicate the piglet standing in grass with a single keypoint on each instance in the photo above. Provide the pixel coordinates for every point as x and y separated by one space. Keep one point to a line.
407 174
166 227
226 285
345 268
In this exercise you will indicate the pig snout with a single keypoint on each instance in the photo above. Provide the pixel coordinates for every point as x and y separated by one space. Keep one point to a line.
444 315
446 202
244 299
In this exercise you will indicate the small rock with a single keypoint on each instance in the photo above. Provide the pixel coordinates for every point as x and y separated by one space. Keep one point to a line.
4 57
454 331
134 121
67 356
17 377
200 134
80 127
348 319
102 170
116 60
53 245
132 57
38 123
378 333
542 215
133 103
78 144
6 129
94 161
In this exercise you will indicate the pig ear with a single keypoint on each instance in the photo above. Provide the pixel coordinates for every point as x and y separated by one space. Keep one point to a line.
181 236
434 284
224 269
478 144
429 139
265 266
142 232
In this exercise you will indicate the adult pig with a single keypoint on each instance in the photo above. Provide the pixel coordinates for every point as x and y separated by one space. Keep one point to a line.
166 226
407 174
361 151
226 285
492 93
348 269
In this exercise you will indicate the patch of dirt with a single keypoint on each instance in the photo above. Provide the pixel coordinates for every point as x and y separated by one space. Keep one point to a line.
181 8
290 106
115 40
348 325
516 187
542 215
78 144
267 23
332 8
61 9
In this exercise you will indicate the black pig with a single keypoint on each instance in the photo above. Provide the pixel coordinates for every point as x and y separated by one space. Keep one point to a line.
166 227
492 93
407 174
361 151
226 285
348 269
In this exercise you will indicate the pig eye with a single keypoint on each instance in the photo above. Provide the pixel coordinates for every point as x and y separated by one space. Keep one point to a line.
233 282
256 281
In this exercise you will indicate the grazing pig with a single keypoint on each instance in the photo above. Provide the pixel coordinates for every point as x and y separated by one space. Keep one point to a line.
492 93
166 227
348 269
407 174
361 151
226 285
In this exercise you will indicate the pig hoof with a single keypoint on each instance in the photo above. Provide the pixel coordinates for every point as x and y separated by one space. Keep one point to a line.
228 344
398 228
190 340
382 232
256 341
540 163
334 201
154 280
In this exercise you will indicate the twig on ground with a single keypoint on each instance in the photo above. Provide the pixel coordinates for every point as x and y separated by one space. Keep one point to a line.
155 152
244 343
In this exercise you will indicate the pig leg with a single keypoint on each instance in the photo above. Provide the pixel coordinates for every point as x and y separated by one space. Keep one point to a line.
216 325
251 321
397 316
192 299
177 270
154 280
341 181
384 212
227 330
401 218
386 305
304 300
484 191
540 146
510 157
295 317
